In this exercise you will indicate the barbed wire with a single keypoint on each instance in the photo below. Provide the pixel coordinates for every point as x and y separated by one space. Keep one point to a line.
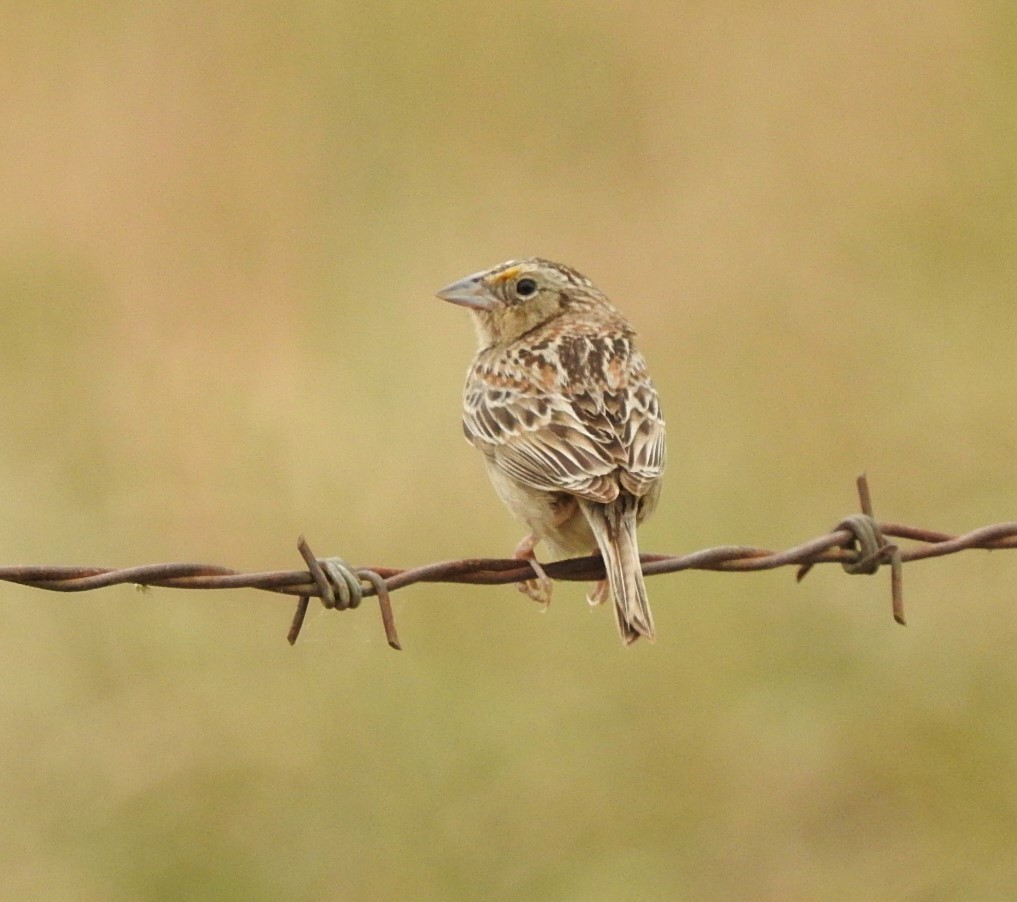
859 543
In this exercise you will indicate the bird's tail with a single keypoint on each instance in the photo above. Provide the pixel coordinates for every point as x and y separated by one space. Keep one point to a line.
614 526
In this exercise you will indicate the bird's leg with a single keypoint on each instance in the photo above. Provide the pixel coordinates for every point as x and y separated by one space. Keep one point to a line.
538 589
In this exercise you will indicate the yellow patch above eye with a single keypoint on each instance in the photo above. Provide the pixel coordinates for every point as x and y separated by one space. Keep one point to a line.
507 275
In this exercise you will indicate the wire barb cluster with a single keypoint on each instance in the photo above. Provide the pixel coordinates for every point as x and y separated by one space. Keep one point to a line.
333 576
858 543
873 550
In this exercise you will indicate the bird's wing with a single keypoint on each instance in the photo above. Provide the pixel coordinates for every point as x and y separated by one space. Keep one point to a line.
644 438
587 426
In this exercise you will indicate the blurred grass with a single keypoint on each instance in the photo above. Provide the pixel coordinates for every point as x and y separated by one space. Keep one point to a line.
222 230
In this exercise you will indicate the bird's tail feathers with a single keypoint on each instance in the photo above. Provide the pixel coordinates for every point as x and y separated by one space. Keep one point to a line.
614 526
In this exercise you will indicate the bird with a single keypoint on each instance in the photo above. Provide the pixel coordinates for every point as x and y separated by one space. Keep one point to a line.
560 402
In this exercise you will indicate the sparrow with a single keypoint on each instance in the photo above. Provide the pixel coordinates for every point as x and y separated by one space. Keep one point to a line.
560 402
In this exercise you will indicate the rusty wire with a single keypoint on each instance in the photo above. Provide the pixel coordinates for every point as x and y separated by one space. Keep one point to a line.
859 543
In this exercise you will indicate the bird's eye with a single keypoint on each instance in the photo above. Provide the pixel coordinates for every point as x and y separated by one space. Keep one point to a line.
525 287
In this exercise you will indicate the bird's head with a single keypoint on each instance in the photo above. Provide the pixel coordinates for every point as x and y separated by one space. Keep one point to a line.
514 297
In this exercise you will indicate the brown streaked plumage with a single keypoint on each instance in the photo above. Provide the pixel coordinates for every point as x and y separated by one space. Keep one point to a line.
560 402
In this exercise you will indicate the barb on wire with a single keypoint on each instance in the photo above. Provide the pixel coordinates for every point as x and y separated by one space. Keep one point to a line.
858 543
333 574
873 549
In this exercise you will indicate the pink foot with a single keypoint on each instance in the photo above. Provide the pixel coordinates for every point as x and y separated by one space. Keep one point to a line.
538 589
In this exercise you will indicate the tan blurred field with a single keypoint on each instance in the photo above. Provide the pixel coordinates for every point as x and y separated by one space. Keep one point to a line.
222 228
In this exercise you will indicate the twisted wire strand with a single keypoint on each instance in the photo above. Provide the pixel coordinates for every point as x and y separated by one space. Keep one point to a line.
858 543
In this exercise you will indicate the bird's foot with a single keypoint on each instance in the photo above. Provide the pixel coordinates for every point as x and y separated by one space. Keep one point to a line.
540 588
599 594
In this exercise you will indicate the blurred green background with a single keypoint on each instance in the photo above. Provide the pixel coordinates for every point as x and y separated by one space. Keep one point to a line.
222 228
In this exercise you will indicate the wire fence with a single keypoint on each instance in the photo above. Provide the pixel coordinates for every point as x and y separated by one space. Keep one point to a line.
859 543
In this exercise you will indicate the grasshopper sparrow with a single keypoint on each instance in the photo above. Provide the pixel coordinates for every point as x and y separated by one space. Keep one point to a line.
561 404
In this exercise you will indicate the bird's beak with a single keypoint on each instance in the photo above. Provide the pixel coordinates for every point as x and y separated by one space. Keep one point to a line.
469 292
